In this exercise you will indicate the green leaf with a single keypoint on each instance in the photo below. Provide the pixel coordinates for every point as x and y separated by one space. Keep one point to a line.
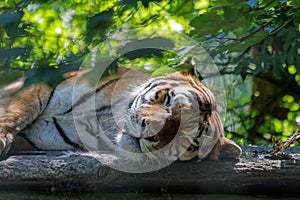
203 25
147 2
181 7
97 25
242 46
144 53
162 71
9 19
8 75
292 69
45 74
146 48
257 70
277 71
13 53
37 75
290 56
10 22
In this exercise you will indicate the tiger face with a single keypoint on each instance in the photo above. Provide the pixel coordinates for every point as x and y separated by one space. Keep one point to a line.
172 114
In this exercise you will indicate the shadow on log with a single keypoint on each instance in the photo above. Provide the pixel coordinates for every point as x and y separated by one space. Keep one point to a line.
254 173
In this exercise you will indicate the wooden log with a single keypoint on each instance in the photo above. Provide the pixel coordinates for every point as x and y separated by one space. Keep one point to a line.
254 173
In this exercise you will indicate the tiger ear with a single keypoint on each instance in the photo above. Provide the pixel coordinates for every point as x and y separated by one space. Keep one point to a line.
188 64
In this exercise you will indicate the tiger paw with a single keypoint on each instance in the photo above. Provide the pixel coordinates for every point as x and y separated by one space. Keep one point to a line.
6 141
229 149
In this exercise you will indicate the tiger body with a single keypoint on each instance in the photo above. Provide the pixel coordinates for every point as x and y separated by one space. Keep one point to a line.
174 116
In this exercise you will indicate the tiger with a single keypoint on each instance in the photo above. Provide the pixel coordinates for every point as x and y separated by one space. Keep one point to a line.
172 116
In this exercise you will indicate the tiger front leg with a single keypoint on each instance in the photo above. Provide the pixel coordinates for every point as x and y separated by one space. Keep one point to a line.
5 142
19 108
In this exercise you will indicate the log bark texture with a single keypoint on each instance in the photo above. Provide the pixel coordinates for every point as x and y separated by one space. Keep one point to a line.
254 173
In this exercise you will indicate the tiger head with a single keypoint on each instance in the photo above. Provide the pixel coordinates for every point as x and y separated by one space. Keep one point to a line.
176 116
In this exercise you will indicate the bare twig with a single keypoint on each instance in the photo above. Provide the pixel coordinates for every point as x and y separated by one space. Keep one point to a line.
280 146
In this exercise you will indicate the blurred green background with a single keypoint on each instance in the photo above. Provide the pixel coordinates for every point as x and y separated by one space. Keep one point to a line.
254 44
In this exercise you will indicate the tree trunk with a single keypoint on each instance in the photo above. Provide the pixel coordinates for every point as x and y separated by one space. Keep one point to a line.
254 173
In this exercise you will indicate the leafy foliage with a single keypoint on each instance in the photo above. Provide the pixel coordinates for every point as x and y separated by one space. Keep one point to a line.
255 44
260 39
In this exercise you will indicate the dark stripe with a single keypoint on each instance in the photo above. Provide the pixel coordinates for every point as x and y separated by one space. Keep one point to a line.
101 87
208 103
29 141
51 95
63 134
152 86
199 133
140 97
108 83
130 103
68 111
177 79
199 100
209 98
40 103
153 83
88 95
101 109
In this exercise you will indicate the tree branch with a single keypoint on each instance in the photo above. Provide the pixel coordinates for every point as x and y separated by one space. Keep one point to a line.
254 173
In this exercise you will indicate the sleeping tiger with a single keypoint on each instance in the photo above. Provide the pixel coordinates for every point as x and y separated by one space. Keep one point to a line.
173 116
